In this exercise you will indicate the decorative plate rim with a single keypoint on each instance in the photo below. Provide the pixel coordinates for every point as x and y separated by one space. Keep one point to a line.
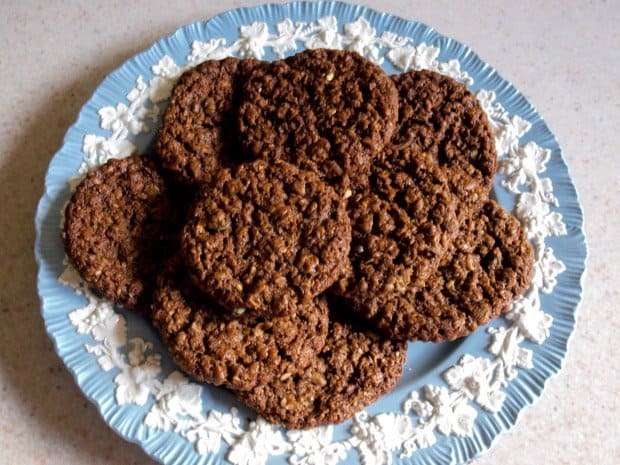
574 204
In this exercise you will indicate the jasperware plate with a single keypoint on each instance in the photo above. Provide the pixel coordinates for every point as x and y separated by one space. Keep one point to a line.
453 400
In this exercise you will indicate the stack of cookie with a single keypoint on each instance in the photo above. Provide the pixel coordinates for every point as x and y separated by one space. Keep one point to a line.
298 223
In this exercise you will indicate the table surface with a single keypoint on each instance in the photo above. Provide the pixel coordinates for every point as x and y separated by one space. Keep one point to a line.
562 55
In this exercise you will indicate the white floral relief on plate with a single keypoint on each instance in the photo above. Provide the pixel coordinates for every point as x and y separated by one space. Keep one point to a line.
175 403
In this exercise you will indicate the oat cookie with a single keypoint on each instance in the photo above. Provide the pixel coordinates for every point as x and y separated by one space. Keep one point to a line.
265 237
401 228
327 111
441 117
487 266
353 370
116 226
197 135
239 352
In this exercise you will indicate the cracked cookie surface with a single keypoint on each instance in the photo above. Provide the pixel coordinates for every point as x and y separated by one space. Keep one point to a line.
353 370
239 352
197 135
327 111
265 237
440 117
116 226
488 264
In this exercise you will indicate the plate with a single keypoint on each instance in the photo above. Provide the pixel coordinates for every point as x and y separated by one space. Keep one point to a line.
453 400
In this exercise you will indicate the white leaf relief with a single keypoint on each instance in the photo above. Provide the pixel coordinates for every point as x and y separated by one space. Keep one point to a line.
253 40
214 49
360 37
377 438
526 315
138 378
99 319
315 447
505 345
451 411
324 35
286 40
258 443
473 376
548 267
99 150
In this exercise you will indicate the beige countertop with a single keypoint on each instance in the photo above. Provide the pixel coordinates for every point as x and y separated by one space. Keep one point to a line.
563 55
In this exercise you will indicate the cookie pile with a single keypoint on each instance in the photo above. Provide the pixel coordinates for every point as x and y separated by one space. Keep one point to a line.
298 222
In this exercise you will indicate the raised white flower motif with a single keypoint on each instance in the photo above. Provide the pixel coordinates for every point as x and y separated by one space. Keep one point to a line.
136 380
214 49
138 95
207 440
288 33
260 441
208 434
315 447
486 99
505 345
415 404
175 398
424 436
121 119
253 40
507 137
549 267
521 164
473 376
106 355
160 88
390 40
451 411
545 189
360 36
537 217
100 149
376 438
166 67
411 57
325 34
99 319
452 68
529 319
166 73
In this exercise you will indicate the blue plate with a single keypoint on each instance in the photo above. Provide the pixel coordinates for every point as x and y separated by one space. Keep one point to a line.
453 400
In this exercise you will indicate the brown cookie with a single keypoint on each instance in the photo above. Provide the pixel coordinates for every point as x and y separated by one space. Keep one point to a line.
197 135
266 237
353 370
402 226
327 111
238 352
487 266
441 117
116 226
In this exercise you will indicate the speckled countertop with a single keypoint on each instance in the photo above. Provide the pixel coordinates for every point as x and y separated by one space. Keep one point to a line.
562 55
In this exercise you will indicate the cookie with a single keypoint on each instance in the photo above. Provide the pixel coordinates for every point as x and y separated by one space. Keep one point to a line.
353 370
116 226
265 237
401 228
237 352
327 111
441 117
487 266
197 135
